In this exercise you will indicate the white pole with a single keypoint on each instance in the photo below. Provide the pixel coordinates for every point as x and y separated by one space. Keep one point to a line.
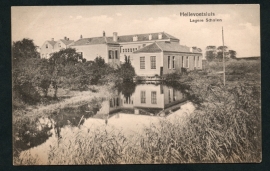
223 58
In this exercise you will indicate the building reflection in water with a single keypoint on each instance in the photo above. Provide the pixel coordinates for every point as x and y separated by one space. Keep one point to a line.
144 99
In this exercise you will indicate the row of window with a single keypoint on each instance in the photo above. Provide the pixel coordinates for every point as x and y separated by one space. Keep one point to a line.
153 97
123 50
152 62
113 54
128 50
185 61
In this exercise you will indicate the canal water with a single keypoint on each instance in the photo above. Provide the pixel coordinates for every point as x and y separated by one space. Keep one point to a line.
132 108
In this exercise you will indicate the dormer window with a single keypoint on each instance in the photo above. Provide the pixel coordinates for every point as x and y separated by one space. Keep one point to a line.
135 38
150 36
160 36
47 46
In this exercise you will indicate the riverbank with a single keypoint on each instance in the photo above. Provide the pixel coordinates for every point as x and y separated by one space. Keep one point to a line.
224 128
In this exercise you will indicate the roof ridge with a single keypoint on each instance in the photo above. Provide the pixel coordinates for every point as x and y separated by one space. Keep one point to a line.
170 36
140 34
159 46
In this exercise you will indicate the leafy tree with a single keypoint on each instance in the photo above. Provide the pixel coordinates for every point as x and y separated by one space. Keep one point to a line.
232 54
210 53
28 72
126 70
99 70
220 52
210 56
62 66
24 49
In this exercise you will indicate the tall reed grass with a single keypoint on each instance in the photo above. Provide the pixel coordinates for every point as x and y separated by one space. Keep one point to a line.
225 128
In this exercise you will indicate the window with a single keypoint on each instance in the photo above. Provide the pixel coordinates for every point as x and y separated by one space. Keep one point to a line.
183 62
169 62
130 50
153 62
116 54
135 48
142 62
187 62
127 50
154 97
169 94
111 103
143 97
59 44
174 97
173 61
195 61
81 54
110 55
198 61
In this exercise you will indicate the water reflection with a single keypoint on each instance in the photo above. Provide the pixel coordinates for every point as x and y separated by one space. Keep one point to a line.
147 99
130 107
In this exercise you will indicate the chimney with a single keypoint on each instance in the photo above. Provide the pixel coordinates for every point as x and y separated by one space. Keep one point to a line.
159 35
65 38
52 39
150 36
115 36
81 37
135 38
103 33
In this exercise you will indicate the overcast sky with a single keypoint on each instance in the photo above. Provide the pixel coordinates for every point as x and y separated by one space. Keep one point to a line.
241 24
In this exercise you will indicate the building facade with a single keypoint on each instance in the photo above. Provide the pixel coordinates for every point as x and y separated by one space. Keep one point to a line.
105 47
152 54
161 58
52 46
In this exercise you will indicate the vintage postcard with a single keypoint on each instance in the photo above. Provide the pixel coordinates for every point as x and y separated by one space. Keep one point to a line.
151 84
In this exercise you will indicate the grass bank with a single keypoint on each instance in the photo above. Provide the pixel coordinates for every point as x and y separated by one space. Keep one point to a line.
225 128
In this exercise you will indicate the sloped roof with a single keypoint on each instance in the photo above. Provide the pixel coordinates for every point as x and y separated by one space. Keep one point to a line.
125 38
67 42
172 47
51 42
93 41
165 47
145 37
149 49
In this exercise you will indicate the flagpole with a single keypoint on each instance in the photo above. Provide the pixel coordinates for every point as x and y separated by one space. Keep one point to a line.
223 58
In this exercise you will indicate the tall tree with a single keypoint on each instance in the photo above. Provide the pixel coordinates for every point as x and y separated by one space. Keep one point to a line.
232 54
220 52
210 53
62 66
24 49
26 71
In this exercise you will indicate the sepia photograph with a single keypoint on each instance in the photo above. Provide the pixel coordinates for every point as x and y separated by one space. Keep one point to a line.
136 84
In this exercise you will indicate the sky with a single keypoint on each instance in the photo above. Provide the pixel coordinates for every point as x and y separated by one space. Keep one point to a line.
241 24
